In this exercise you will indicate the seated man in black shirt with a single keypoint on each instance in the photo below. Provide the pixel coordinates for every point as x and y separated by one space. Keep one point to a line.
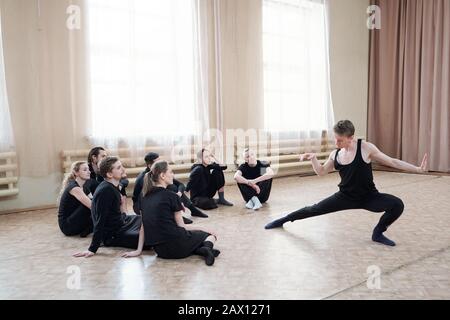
254 180
112 227
205 180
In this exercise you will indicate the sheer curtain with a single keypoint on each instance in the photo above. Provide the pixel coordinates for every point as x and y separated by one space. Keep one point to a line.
297 96
6 134
147 72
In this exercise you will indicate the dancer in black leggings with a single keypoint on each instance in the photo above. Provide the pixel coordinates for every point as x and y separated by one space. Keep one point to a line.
356 191
112 226
254 179
207 179
163 227
74 214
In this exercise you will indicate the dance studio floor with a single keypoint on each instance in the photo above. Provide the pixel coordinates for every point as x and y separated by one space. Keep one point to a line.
327 257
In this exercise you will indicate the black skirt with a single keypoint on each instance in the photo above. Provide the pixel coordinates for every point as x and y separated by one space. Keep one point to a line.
182 247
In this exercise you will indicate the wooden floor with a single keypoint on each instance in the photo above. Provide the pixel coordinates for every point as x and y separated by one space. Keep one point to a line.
327 257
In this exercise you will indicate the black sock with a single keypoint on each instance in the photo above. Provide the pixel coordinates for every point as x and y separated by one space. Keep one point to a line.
207 253
383 240
277 223
216 252
377 236
209 244
222 200
197 213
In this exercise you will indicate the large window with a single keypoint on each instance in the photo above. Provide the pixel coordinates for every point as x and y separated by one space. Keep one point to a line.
142 79
296 76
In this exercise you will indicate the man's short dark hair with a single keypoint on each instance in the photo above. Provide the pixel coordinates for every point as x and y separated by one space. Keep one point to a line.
344 128
106 165
151 157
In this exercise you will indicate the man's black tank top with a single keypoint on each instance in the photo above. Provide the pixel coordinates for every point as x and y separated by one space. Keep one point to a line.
356 177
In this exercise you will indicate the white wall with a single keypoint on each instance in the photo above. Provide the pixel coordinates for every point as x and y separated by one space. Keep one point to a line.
349 61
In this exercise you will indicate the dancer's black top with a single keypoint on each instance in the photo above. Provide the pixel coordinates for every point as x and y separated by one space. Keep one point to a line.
68 203
356 177
158 216
200 177
94 181
249 172
139 184
106 214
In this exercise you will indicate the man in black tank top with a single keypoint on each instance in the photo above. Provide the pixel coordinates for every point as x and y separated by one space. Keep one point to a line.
356 191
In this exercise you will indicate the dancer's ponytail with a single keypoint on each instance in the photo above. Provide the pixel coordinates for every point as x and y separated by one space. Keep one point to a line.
151 178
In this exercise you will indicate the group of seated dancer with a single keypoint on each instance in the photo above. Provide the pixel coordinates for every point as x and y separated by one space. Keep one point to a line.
254 178
177 187
105 215
74 214
353 159
161 217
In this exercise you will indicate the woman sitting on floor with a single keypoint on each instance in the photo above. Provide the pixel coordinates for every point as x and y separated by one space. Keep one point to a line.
74 214
163 223
178 187
207 179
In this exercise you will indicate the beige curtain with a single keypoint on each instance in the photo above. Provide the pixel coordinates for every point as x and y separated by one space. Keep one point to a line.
46 80
6 135
409 81
45 94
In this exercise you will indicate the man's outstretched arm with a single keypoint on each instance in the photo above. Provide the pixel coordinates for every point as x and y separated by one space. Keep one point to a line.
377 155
320 170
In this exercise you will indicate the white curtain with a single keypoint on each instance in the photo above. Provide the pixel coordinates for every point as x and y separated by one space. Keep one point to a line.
148 72
297 96
6 134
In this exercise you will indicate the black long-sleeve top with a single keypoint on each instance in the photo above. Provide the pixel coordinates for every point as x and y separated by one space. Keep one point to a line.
106 214
199 179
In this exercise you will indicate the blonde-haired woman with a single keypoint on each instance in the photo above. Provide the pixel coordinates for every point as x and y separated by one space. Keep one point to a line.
74 214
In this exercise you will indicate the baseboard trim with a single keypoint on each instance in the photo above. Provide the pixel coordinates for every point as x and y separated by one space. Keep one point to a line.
13 211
